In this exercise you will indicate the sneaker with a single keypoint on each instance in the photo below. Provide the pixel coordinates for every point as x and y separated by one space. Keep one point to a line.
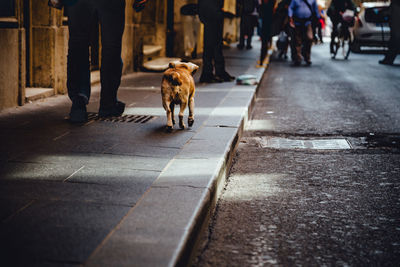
78 114
114 111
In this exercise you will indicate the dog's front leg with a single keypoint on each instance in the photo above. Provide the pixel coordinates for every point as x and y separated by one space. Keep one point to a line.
191 111
181 111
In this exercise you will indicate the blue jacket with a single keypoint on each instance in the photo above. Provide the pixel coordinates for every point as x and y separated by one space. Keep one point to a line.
299 9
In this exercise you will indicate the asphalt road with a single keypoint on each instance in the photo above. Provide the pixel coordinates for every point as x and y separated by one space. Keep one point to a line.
316 179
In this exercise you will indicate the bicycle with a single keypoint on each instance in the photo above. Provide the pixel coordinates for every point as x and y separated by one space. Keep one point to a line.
344 37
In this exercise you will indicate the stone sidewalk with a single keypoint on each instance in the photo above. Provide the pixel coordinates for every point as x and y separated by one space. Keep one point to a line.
120 192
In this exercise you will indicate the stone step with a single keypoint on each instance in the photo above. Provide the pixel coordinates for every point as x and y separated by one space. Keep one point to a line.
32 94
151 49
159 64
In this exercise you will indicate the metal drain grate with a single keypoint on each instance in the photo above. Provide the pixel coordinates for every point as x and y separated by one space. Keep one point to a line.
285 143
123 118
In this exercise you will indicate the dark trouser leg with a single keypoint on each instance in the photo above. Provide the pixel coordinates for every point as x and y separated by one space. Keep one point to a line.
80 17
208 50
333 35
319 30
298 35
264 50
307 39
251 22
249 37
291 35
394 42
242 32
219 60
112 21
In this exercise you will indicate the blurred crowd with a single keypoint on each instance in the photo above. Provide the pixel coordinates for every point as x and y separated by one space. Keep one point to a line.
299 24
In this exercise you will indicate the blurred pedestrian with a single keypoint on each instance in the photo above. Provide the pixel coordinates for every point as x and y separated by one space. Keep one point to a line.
281 27
266 11
301 13
320 25
212 16
394 42
335 11
111 16
247 10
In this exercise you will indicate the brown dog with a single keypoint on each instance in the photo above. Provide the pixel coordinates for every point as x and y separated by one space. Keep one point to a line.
177 88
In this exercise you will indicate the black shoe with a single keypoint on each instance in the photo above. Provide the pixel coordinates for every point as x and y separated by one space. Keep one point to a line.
385 62
248 47
308 62
226 77
210 79
114 111
240 46
296 63
78 114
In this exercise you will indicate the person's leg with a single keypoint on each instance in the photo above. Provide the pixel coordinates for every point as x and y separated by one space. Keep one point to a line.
252 22
308 37
319 28
394 42
80 16
219 60
292 44
333 35
242 33
112 22
264 49
297 44
209 42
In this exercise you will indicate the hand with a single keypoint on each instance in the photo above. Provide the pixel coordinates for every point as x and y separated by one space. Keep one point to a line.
291 22
139 5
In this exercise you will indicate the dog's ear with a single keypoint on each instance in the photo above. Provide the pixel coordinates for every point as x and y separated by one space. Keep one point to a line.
192 67
171 65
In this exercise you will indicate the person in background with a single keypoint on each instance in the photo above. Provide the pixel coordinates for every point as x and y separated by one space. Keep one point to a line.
281 23
266 11
247 10
335 11
321 25
212 16
394 42
301 14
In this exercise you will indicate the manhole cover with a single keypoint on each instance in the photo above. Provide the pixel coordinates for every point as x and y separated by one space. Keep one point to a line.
285 143
123 118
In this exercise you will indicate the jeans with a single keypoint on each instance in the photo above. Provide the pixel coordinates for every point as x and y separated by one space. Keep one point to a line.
81 15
